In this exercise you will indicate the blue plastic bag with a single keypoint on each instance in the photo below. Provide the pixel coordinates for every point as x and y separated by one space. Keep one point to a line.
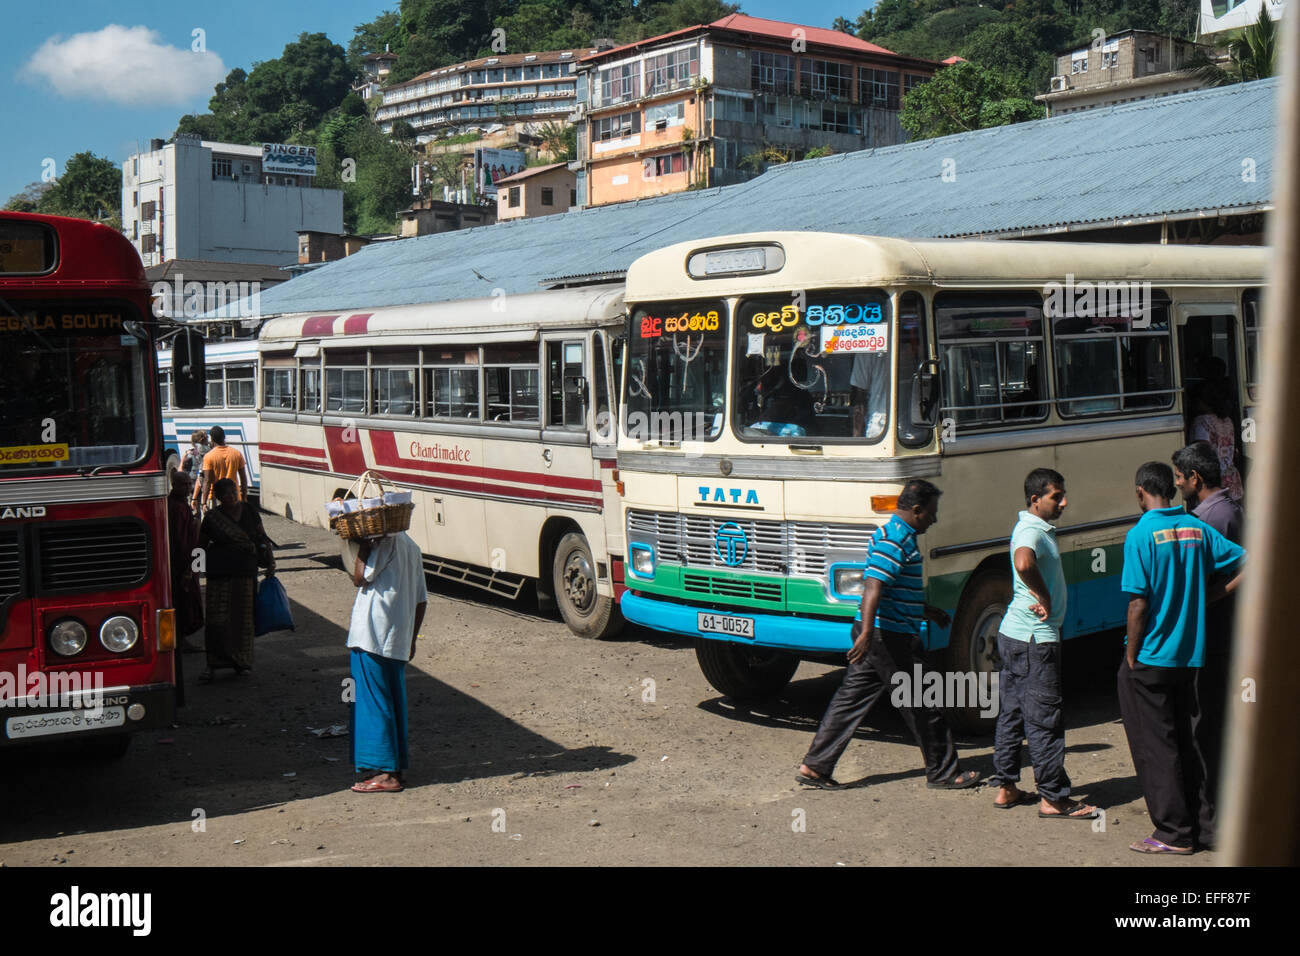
271 609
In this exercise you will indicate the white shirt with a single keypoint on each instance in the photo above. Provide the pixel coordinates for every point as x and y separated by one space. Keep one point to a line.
383 616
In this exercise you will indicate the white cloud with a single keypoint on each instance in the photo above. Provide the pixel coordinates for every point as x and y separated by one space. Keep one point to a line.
127 65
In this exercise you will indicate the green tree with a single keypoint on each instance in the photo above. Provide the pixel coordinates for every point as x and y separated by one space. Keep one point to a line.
560 140
90 188
372 37
964 97
1008 47
29 199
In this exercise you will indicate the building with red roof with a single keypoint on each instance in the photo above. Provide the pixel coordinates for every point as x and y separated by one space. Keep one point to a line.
715 103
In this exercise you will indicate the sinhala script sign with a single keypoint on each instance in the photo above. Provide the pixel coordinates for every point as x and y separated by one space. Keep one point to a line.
284 158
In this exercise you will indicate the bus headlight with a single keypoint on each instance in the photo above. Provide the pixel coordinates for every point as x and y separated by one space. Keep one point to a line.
68 637
846 582
119 634
643 560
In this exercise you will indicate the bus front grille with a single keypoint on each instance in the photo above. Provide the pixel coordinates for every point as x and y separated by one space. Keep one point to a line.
728 588
92 555
801 548
11 568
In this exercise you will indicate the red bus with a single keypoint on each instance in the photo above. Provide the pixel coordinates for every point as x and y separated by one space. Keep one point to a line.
87 632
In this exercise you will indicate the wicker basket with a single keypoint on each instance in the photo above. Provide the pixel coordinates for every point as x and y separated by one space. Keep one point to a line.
372 522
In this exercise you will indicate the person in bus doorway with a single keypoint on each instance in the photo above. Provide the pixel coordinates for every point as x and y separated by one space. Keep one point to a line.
1212 408
386 619
886 641
233 539
1029 643
1198 479
1169 560
221 462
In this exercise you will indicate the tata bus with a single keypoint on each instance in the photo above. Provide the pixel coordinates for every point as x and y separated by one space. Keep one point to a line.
793 382
87 633
496 413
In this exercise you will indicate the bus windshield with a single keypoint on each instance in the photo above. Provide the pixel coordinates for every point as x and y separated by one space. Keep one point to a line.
816 368
73 385
677 370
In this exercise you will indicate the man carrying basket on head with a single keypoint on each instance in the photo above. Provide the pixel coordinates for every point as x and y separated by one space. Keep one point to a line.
386 618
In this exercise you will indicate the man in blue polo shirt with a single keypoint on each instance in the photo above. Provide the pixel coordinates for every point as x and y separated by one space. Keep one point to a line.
886 641
1029 643
1169 559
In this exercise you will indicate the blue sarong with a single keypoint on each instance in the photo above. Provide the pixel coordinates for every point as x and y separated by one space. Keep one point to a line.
378 715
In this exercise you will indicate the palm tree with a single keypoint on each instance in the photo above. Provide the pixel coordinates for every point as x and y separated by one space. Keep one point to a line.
1252 55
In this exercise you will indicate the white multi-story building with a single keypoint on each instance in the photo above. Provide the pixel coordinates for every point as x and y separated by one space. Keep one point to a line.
194 199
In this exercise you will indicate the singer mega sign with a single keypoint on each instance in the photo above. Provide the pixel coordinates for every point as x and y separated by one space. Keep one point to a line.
283 158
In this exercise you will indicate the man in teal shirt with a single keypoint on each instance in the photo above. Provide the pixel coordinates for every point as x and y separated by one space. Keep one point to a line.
1169 559
1029 643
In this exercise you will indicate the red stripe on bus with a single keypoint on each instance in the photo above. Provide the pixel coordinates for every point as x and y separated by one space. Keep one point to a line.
302 450
312 463
345 456
357 324
409 476
319 325
386 455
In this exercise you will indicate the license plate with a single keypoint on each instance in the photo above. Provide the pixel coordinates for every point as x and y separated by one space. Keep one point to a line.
63 722
726 624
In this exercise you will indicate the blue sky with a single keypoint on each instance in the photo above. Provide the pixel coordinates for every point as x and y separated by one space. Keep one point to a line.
108 76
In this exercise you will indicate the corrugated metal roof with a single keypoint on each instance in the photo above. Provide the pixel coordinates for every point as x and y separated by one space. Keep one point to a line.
1175 155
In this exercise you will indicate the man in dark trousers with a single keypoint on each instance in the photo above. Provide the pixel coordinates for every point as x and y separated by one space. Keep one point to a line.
1169 559
886 640
1199 481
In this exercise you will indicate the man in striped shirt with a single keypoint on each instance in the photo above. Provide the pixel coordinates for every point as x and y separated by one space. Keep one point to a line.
886 641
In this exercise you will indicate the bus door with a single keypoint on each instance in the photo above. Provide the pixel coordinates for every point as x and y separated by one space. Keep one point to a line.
1211 378
568 399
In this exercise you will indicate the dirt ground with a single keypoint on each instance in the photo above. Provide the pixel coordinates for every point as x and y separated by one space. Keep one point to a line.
529 745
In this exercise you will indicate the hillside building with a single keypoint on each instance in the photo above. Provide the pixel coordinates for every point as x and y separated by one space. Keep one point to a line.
709 105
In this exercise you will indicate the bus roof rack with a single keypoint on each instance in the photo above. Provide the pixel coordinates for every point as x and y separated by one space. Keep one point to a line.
581 279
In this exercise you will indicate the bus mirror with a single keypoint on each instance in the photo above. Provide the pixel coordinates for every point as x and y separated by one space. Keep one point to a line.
189 373
925 395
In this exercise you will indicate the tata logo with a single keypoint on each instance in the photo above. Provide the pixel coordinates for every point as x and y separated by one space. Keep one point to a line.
728 495
731 545
31 511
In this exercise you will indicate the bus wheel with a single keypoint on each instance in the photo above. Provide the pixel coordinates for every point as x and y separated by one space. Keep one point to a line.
744 672
974 644
173 464
583 608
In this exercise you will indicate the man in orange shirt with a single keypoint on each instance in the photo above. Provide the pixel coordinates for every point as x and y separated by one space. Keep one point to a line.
222 462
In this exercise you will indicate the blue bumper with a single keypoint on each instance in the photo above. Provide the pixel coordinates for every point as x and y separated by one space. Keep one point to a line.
779 631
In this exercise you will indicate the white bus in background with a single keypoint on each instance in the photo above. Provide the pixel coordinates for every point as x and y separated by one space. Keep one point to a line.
498 414
231 403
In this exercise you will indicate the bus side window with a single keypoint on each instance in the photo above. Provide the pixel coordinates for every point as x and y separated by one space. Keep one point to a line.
990 351
565 384
912 352
310 389
216 383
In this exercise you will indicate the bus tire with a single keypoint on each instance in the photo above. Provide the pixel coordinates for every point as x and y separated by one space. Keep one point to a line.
585 610
974 642
743 672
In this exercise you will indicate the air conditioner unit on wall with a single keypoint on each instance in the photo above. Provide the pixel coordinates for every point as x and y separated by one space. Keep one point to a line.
1060 84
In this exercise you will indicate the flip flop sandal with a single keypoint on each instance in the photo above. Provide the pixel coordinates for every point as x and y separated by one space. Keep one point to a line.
821 783
1072 814
1152 845
956 783
1021 800
370 786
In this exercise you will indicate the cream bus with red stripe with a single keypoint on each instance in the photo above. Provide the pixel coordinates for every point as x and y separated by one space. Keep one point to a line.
497 413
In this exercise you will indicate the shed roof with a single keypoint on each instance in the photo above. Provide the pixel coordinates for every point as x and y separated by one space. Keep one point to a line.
1184 156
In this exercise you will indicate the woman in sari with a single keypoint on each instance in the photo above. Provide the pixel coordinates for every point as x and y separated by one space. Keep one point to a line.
232 536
